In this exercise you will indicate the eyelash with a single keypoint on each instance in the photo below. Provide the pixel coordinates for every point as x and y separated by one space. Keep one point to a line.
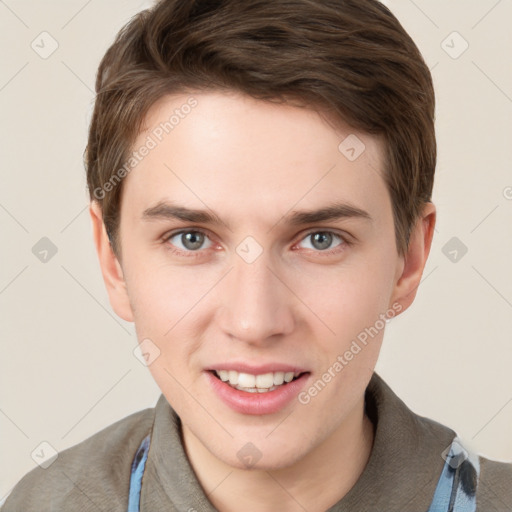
345 242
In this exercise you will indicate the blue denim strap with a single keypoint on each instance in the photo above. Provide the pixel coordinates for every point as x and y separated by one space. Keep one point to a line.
138 465
457 485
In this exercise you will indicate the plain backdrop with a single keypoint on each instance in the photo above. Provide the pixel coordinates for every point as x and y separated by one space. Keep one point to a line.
67 368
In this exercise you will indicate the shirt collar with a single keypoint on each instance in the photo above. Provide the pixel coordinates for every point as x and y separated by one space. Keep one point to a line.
401 473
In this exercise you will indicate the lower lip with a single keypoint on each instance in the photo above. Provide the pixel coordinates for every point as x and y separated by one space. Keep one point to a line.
257 403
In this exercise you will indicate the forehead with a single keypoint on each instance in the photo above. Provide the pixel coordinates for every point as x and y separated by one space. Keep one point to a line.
234 153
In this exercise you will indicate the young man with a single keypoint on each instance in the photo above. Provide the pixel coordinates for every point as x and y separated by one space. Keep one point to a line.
260 177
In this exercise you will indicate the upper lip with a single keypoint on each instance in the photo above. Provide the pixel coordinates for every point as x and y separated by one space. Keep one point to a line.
259 369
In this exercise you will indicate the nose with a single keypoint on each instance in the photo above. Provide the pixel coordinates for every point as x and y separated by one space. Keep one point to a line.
255 304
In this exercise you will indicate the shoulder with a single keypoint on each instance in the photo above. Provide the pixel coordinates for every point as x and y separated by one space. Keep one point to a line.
92 475
494 492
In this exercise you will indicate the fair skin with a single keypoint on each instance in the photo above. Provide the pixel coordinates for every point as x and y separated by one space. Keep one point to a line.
299 302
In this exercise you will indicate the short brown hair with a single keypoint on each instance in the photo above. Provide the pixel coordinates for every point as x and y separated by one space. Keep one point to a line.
349 58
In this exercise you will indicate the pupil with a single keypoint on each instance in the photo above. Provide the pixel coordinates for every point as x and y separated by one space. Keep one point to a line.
322 240
192 240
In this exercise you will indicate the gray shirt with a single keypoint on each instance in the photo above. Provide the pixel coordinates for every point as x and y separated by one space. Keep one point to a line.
401 474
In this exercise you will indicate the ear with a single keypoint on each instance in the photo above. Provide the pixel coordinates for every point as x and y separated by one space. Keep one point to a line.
411 266
110 266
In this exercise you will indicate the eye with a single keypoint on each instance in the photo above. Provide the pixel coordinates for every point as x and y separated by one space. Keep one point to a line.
189 241
192 242
322 240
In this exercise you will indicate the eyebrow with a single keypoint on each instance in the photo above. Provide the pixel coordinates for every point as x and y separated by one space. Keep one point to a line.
334 211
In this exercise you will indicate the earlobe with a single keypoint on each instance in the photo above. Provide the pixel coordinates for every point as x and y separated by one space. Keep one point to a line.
111 268
415 259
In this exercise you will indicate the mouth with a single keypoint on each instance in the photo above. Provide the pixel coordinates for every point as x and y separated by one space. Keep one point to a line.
261 383
256 390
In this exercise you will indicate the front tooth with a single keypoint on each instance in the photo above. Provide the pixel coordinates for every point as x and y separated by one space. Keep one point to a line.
265 381
248 390
223 374
246 380
288 376
233 377
278 378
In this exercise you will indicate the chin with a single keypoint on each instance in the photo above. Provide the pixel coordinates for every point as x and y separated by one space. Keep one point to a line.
263 453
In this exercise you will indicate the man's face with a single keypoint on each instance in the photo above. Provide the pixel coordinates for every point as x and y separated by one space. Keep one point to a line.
261 290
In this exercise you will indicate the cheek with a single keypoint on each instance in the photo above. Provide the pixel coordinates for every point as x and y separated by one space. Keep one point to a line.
166 313
169 310
344 301
164 296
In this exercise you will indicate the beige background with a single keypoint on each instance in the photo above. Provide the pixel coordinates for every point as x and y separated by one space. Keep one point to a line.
67 367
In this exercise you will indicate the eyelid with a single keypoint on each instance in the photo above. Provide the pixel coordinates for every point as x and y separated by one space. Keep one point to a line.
342 234
171 234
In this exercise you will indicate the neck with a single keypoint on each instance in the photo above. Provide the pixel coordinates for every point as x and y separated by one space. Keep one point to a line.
314 483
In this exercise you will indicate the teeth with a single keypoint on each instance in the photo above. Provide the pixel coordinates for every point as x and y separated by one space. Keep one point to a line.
255 383
278 378
256 390
288 376
265 381
245 380
224 375
250 390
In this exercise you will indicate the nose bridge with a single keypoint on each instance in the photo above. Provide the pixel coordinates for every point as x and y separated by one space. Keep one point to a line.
256 305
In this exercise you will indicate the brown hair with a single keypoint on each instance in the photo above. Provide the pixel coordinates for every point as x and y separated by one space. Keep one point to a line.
349 58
